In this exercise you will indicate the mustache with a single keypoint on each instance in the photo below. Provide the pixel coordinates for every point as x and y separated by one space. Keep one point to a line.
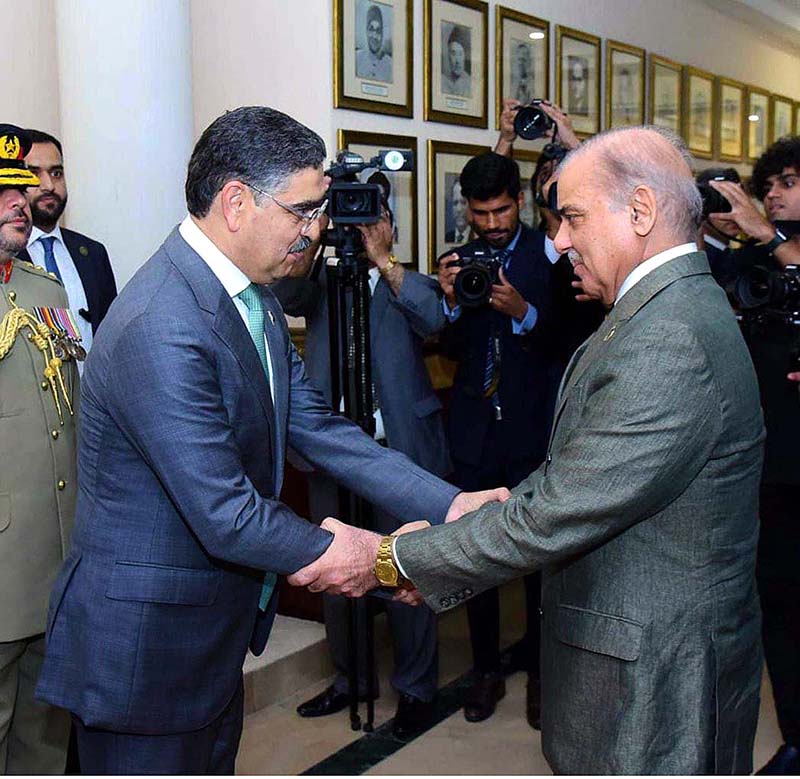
300 245
574 257
20 214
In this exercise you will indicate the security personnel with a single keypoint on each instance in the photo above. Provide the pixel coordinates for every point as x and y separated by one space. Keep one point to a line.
39 345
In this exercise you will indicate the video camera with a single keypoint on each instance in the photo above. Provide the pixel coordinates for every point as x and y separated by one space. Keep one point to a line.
531 122
473 284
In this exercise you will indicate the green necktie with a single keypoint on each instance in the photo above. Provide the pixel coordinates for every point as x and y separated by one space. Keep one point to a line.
251 297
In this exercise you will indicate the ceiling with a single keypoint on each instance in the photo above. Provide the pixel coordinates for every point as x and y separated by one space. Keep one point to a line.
780 19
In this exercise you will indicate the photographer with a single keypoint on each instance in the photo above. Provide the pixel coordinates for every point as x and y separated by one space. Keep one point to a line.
773 342
405 308
498 417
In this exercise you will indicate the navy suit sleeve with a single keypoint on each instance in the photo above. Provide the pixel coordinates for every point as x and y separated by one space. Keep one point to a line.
420 302
166 396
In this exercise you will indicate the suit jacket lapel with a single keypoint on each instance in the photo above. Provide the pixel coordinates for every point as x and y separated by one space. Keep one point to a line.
278 341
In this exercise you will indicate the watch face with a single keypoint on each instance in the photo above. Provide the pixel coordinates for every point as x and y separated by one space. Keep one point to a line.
386 573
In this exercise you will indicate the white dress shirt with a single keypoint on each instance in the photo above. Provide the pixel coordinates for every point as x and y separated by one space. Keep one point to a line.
550 250
649 265
231 278
69 277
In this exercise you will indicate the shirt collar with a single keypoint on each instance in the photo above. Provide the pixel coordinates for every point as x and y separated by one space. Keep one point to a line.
550 250
650 264
228 274
36 234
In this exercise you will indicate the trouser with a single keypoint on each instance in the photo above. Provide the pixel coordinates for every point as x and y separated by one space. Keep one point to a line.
209 750
498 468
779 588
33 735
413 629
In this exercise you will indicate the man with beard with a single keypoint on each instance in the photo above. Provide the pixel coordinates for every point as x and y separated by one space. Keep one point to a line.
37 473
80 263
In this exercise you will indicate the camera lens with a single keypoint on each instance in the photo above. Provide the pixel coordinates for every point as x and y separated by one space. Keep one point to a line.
353 201
531 122
473 286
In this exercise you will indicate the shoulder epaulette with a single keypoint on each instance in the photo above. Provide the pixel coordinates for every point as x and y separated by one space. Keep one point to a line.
37 270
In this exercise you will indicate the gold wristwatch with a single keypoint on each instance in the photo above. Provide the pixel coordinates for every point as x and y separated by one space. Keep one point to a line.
389 265
386 571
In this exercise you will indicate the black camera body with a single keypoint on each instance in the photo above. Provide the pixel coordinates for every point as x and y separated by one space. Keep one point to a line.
760 287
473 284
531 122
715 202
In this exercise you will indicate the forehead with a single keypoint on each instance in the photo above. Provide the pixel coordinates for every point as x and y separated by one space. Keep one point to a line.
500 201
43 154
789 171
574 178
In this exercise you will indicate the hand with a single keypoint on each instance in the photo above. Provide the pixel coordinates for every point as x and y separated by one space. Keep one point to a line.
465 502
447 274
346 567
411 527
410 597
793 376
377 240
507 132
743 213
507 300
566 135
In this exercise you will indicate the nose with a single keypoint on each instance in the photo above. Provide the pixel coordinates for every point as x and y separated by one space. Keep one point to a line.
491 221
562 241
45 182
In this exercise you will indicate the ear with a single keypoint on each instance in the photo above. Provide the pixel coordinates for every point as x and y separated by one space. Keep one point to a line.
643 210
233 199
521 199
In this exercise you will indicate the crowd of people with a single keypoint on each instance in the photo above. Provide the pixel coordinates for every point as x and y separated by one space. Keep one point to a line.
603 439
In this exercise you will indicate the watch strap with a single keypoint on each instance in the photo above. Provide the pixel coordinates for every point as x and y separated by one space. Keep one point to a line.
776 241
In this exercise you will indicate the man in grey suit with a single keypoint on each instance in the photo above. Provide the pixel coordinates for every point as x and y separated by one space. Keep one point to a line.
191 394
643 516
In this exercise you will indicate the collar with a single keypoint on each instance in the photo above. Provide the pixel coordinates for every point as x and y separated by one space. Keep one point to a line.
228 274
550 250
36 234
715 242
650 264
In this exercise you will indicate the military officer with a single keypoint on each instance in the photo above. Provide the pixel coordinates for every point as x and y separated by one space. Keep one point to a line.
39 344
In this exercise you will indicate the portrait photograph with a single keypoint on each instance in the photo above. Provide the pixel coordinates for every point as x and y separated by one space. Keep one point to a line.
402 195
625 79
578 78
781 117
522 63
730 129
527 165
455 70
666 93
373 56
700 112
447 208
758 134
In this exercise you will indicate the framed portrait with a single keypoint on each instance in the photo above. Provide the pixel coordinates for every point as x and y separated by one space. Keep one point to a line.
781 117
625 78
456 62
666 93
373 56
578 78
757 135
522 66
447 207
730 127
700 111
402 185
796 117
527 160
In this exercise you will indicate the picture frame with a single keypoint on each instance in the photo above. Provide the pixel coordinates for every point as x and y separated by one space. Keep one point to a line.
403 198
700 111
445 163
757 134
456 56
796 116
578 86
527 159
625 84
522 61
666 93
781 117
373 55
729 137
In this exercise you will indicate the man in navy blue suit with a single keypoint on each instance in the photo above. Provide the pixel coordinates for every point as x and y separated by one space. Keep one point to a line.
499 412
191 395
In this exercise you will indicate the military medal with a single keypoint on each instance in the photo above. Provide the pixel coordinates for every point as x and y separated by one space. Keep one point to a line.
62 324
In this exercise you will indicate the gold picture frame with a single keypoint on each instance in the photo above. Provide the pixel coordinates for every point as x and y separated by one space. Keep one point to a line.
522 58
781 117
700 111
625 84
445 163
456 62
379 81
578 79
403 198
757 134
730 128
666 93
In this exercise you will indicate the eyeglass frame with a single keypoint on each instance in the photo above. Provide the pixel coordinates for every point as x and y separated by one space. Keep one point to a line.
307 219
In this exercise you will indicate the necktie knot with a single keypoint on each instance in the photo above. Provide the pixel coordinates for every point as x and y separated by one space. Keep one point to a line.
251 297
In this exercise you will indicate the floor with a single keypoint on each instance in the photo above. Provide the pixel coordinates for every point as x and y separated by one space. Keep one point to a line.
276 741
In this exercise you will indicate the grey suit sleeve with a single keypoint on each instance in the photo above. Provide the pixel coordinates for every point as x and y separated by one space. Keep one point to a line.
420 301
649 417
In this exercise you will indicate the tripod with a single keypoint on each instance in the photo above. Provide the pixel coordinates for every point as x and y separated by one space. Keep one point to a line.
351 379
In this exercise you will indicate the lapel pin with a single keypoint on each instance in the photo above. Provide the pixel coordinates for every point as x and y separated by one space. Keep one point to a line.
610 334
84 251
271 317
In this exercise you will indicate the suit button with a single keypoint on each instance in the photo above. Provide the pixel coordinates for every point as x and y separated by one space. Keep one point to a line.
549 458
45 386
12 296
61 484
54 433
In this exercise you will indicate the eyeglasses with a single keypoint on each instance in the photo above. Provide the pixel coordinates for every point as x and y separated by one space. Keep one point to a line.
306 218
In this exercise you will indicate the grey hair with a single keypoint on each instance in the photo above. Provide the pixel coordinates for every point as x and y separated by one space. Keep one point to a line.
636 156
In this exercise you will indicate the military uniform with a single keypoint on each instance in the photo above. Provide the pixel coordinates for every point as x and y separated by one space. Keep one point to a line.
38 482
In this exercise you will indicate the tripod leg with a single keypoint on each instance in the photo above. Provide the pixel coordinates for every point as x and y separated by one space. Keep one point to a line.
352 674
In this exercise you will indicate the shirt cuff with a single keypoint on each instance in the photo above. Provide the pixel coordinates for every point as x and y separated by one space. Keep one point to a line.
451 313
396 560
527 323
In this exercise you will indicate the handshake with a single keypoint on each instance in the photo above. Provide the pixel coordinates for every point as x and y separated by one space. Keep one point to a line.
347 567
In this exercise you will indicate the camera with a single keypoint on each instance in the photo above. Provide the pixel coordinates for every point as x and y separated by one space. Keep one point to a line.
715 202
760 287
531 122
473 284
